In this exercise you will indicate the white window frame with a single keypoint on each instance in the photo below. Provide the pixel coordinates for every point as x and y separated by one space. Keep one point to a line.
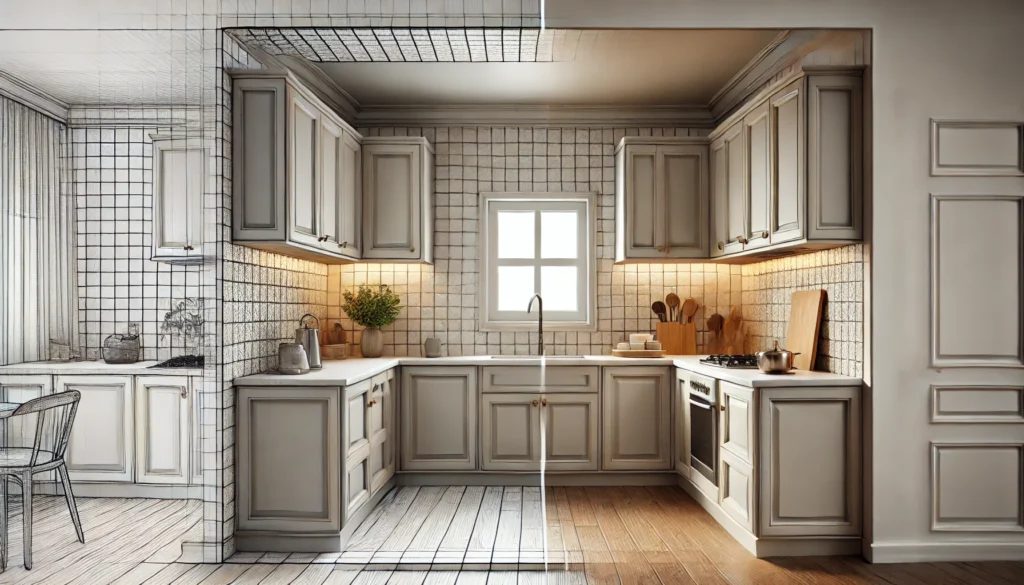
493 320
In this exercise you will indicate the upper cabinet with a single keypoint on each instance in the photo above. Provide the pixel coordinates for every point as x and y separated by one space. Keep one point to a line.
398 185
296 172
179 177
661 198
787 169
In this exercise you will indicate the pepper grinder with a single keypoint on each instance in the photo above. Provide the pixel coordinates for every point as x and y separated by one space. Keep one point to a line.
310 340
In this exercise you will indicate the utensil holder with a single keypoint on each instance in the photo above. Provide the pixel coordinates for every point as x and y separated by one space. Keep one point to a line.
677 338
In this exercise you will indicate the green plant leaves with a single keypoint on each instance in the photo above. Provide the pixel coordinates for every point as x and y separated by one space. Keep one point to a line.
372 308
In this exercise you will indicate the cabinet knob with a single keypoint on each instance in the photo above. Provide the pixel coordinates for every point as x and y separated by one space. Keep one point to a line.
721 407
721 245
376 387
372 402
742 240
764 235
344 244
412 248
535 403
543 401
184 392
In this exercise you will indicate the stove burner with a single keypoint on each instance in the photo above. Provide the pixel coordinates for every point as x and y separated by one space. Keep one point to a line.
731 361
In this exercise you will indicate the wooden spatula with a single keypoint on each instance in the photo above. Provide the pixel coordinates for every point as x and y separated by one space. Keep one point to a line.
672 300
689 310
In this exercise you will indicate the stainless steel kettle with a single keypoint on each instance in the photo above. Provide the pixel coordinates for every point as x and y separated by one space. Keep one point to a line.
310 340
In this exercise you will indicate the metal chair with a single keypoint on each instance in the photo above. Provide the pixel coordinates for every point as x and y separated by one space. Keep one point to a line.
47 423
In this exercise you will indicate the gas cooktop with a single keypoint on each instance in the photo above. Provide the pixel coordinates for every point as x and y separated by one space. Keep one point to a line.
731 361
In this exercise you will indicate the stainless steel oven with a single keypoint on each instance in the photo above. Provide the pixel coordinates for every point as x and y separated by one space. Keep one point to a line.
704 426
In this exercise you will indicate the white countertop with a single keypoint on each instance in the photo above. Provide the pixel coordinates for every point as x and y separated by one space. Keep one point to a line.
98 367
351 371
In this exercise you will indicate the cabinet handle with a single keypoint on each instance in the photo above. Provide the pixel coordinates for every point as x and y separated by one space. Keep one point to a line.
535 403
376 387
188 248
543 401
764 235
721 407
742 240
412 248
184 392
721 245
344 244
372 402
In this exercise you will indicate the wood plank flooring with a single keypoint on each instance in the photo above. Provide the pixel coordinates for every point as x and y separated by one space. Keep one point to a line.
456 536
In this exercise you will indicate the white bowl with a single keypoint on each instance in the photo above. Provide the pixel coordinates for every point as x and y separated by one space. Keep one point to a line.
622 346
640 338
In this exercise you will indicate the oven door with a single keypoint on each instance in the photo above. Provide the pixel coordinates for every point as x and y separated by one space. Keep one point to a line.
703 437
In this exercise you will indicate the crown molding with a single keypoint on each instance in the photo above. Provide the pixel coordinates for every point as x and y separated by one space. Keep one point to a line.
785 49
512 115
37 99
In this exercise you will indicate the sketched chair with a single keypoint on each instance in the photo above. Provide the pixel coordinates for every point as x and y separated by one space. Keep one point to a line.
44 427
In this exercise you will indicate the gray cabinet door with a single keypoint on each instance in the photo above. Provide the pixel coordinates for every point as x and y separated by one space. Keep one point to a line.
351 194
736 421
834 157
736 489
636 425
642 203
162 429
510 432
757 155
683 193
569 422
681 408
289 459
331 181
102 443
810 467
303 171
439 418
718 169
729 193
382 429
788 154
393 183
258 154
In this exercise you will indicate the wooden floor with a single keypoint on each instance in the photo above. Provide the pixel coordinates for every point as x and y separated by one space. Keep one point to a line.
607 535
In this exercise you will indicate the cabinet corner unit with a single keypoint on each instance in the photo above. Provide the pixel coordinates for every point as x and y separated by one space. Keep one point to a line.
661 199
786 170
296 183
180 175
398 187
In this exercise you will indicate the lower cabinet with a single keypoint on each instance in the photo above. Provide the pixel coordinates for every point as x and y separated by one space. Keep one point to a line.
570 423
636 420
382 429
289 459
162 413
810 468
20 389
439 418
681 408
510 432
736 489
102 443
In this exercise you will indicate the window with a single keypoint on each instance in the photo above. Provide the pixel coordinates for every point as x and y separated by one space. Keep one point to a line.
537 243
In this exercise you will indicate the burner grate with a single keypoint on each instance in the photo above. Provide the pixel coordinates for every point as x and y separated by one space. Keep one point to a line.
731 361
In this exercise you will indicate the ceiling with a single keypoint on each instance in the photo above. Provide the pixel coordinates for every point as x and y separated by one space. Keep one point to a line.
108 67
586 68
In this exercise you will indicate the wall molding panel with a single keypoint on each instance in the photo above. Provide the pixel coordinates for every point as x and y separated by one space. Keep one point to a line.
977 404
977 148
977 281
977 486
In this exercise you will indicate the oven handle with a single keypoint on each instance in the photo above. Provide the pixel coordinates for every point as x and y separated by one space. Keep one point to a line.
700 405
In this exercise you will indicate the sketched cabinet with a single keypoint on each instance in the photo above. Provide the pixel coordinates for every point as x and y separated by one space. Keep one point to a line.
162 413
102 444
180 175
19 389
381 416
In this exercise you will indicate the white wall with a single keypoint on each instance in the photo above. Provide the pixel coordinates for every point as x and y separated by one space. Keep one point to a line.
932 59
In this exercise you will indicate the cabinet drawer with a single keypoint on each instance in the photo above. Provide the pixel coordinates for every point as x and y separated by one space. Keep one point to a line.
737 421
527 379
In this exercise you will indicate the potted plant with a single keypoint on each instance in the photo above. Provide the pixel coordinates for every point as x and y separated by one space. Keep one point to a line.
372 309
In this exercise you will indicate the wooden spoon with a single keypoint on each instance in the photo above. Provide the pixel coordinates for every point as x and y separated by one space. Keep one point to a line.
672 300
659 309
689 310
715 323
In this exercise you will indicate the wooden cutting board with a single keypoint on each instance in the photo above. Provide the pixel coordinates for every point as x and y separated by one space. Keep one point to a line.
804 322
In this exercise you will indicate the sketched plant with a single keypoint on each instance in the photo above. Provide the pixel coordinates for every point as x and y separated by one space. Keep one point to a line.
184 324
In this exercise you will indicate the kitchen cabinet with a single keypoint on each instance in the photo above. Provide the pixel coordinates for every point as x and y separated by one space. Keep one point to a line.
736 420
162 412
102 442
681 408
295 171
381 417
661 198
510 432
570 422
180 175
196 428
355 490
736 489
810 462
19 389
398 186
636 431
439 418
787 168
290 456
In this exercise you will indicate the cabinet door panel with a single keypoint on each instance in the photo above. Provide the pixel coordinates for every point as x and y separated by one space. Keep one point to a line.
331 137
719 167
356 490
357 409
19 390
644 232
258 145
305 190
289 452
834 157
734 199
439 410
179 177
736 492
101 447
570 423
162 417
684 189
510 432
382 430
786 112
349 205
392 192
810 462
758 176
737 421
682 422
636 419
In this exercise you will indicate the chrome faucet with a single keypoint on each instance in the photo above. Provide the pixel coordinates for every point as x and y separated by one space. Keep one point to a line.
540 321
